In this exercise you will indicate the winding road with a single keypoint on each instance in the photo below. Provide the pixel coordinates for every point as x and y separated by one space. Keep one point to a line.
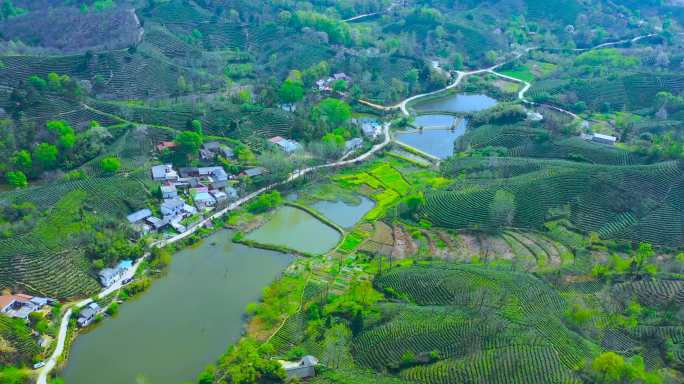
51 363
460 75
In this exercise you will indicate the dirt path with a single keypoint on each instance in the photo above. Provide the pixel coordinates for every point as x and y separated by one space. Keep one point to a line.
460 75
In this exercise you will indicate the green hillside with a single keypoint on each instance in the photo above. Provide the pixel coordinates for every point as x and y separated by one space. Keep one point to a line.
623 202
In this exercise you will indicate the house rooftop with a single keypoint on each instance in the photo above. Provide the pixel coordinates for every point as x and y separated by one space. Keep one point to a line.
139 215
256 171
161 171
287 145
6 300
23 297
204 196
218 195
165 145
87 313
108 273
217 172
353 143
157 222
605 137
173 203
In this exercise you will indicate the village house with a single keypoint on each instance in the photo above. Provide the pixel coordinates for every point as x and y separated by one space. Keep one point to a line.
138 216
168 191
87 314
136 219
254 172
287 145
603 139
534 116
164 172
157 223
216 176
326 85
288 107
370 127
109 276
353 144
301 369
231 194
165 145
220 197
172 207
211 149
21 305
188 172
204 200
176 224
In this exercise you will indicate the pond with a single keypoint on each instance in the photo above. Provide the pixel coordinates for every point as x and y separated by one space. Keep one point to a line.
436 142
296 229
457 103
434 121
185 320
344 214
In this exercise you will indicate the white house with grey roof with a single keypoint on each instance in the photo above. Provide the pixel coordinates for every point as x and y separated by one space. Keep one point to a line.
164 172
204 200
287 145
216 176
370 127
353 144
139 216
168 191
603 139
301 369
172 207
87 314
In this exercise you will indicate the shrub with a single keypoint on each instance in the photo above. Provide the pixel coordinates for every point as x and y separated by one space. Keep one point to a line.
110 164
501 114
16 179
265 202
113 309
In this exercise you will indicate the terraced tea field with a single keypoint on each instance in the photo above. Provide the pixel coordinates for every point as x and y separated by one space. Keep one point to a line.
44 261
601 198
522 336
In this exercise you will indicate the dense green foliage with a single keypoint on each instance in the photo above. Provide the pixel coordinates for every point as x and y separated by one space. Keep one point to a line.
265 202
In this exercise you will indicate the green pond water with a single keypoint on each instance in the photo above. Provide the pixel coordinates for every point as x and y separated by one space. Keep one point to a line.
437 142
296 229
457 103
344 214
185 320
434 121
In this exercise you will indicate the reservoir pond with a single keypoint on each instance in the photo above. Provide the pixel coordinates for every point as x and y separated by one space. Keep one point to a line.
184 321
